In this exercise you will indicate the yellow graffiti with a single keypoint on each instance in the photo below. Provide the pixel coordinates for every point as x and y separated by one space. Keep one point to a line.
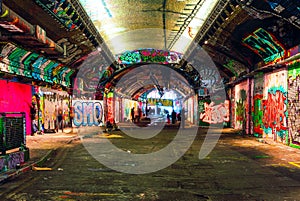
5 13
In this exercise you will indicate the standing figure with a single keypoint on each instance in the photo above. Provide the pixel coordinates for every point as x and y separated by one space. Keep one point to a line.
60 120
173 117
132 114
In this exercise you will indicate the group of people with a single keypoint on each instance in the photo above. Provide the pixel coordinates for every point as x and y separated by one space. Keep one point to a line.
174 116
136 115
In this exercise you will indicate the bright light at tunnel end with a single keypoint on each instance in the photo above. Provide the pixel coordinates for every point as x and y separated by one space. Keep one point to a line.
113 157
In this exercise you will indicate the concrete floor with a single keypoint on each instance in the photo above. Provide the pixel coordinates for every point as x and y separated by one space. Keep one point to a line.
238 168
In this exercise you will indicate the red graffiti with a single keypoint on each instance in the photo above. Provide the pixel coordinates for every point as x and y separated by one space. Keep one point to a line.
274 111
110 109
215 113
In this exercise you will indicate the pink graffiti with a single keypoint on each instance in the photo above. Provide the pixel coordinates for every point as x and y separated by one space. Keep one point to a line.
214 114
274 111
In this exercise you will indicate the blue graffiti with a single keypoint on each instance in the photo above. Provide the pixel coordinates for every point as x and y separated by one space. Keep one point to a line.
87 113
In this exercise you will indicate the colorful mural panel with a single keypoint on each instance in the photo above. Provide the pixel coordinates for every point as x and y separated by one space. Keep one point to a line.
275 106
11 160
215 113
294 103
149 56
265 44
87 112
62 10
15 60
109 107
257 107
241 105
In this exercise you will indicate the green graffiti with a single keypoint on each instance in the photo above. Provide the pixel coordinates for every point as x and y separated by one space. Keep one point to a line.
265 45
230 66
257 115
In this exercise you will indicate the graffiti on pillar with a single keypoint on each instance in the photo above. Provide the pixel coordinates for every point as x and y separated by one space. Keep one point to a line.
275 113
214 114
87 112
275 105
241 109
257 112
257 108
110 106
233 107
294 103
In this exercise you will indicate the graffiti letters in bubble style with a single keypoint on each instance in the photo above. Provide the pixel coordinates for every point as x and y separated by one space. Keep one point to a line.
214 114
275 112
87 112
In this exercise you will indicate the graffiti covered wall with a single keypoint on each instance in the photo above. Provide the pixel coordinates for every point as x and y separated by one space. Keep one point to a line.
87 112
294 103
257 107
10 161
275 105
213 113
241 106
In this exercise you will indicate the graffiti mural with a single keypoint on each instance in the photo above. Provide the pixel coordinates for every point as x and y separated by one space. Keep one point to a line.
214 114
87 112
62 10
275 106
16 60
265 45
232 112
109 106
149 56
257 107
11 160
294 103
241 105
14 159
257 113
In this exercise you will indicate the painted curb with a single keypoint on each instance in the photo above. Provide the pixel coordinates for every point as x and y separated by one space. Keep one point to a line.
15 173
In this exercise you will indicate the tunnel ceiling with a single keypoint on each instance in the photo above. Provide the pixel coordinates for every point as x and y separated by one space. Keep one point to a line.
237 34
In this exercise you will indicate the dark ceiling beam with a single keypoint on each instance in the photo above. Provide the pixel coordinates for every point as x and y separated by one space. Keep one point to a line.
219 8
216 49
185 24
